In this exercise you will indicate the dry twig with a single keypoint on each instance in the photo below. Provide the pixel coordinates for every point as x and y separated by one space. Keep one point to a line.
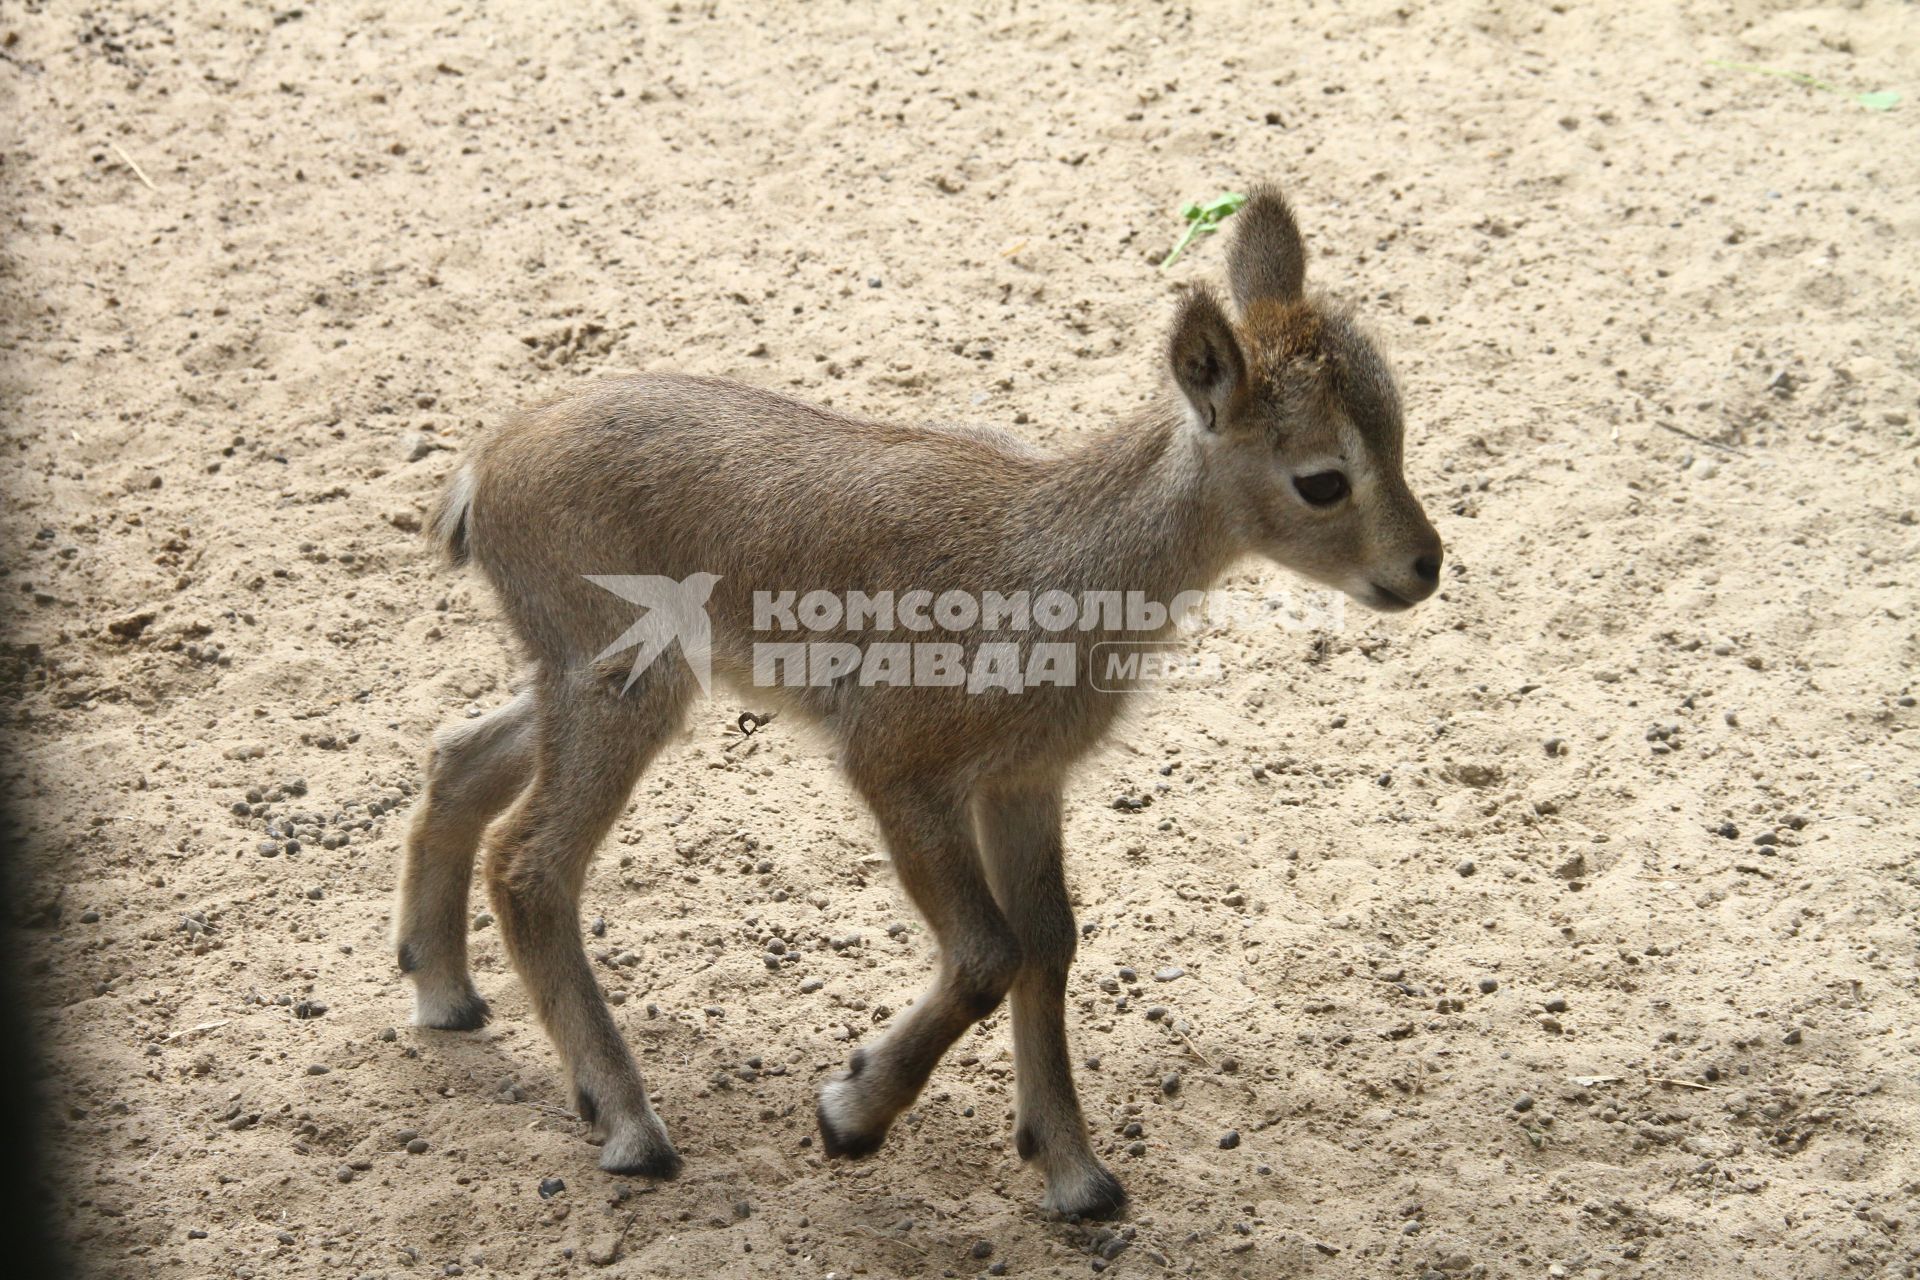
194 1031
138 172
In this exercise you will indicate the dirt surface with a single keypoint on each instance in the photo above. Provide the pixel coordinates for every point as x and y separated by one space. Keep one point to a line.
1565 926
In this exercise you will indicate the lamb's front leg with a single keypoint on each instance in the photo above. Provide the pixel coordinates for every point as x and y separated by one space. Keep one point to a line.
939 864
1021 847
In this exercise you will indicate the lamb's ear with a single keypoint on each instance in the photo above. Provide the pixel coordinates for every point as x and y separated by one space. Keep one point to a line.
1268 259
1206 358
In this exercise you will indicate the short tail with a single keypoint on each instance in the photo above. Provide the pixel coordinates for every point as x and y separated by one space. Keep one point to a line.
447 526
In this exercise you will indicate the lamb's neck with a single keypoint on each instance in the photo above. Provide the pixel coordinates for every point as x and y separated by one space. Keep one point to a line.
1142 508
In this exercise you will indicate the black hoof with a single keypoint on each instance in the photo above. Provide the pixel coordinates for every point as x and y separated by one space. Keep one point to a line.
470 1014
850 1145
664 1165
1102 1197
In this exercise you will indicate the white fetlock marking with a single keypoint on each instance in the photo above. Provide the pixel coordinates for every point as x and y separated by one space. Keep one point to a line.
435 1005
630 1142
839 1103
1069 1188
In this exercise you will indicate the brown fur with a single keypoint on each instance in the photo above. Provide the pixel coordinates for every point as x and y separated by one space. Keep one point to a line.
675 476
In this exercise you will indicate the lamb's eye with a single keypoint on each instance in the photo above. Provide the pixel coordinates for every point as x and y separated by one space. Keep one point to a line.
1323 488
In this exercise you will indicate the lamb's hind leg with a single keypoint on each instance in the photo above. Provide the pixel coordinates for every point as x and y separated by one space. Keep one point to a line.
1021 849
934 854
594 742
475 771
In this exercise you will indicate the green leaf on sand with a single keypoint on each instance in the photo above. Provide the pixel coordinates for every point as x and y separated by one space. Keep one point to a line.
1204 219
1880 100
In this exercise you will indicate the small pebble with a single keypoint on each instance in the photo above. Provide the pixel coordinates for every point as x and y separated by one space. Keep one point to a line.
1170 1083
318 1068
1489 985
1523 1103
1230 1139
1169 973
1465 867
417 1147
551 1187
982 1249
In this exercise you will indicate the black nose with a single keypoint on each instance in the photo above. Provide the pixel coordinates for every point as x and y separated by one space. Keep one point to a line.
1428 567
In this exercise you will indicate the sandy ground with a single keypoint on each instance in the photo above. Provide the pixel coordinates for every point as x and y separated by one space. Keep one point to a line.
1647 764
